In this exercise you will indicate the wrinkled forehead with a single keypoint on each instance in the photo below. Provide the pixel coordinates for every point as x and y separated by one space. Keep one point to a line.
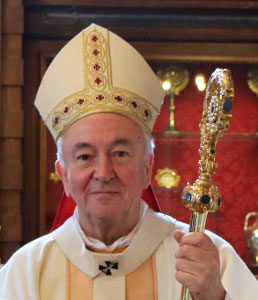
104 126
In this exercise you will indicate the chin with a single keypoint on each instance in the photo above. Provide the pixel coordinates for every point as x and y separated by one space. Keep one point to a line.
107 211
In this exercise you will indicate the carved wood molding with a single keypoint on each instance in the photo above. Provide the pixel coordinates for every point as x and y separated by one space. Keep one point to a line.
11 123
198 52
144 25
150 3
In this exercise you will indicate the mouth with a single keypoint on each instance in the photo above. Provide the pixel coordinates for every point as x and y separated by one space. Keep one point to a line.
103 192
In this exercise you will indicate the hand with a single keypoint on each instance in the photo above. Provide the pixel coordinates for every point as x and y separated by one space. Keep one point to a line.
198 266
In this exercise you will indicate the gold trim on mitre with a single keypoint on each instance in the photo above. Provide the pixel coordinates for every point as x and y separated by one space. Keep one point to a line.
98 94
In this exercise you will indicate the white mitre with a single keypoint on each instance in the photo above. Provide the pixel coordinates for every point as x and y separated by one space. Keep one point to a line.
96 72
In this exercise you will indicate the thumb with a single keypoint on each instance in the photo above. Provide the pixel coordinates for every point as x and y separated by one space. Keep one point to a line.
178 235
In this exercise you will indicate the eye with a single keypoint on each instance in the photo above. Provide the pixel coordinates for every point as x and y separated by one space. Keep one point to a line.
84 157
121 153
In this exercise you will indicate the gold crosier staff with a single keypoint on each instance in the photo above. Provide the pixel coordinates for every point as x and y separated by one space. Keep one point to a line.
203 197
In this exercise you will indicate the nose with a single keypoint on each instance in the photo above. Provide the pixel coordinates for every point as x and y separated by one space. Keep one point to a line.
104 171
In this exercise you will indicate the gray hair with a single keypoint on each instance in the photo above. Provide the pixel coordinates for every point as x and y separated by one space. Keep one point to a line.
149 145
149 148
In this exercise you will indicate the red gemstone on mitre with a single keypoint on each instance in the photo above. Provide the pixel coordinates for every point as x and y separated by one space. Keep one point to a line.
134 104
80 101
95 52
99 97
98 80
146 112
95 38
96 67
56 120
118 98
66 109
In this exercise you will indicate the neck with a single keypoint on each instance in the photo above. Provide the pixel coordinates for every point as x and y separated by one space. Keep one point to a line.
109 230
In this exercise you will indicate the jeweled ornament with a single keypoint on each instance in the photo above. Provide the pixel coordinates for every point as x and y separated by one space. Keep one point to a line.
227 106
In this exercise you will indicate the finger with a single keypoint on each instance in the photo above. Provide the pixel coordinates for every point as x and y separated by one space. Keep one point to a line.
206 258
178 235
187 280
197 285
196 254
196 267
198 239
190 252
187 266
202 285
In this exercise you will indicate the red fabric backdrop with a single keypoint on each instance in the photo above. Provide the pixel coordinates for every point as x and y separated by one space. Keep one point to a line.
236 176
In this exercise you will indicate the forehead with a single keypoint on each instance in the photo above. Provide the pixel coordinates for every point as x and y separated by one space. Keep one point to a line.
103 128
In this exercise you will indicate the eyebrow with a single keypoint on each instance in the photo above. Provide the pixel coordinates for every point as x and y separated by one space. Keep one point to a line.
119 141
79 146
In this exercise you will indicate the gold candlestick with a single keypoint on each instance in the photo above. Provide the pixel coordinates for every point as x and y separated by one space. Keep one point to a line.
174 80
171 129
203 197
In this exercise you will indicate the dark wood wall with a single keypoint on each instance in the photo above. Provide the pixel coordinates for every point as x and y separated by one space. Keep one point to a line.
163 31
11 118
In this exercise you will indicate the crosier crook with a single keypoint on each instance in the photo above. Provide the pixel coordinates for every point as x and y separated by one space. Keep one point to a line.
203 197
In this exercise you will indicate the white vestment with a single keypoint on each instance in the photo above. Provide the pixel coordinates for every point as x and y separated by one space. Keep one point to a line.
37 271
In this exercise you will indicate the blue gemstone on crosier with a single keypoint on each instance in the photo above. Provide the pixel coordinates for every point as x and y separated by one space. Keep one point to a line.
227 106
205 199
188 197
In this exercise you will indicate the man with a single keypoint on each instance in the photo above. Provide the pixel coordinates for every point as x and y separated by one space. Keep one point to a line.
99 100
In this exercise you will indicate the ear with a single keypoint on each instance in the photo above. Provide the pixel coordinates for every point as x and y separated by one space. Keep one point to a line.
148 169
62 173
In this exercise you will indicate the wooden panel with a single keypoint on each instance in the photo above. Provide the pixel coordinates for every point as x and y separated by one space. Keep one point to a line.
12 124
9 200
7 248
199 52
12 71
12 16
12 45
150 3
11 233
12 149
11 98
0 74
11 175
144 26
30 205
173 51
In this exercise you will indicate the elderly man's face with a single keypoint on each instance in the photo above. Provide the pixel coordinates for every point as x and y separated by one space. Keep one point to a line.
105 165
